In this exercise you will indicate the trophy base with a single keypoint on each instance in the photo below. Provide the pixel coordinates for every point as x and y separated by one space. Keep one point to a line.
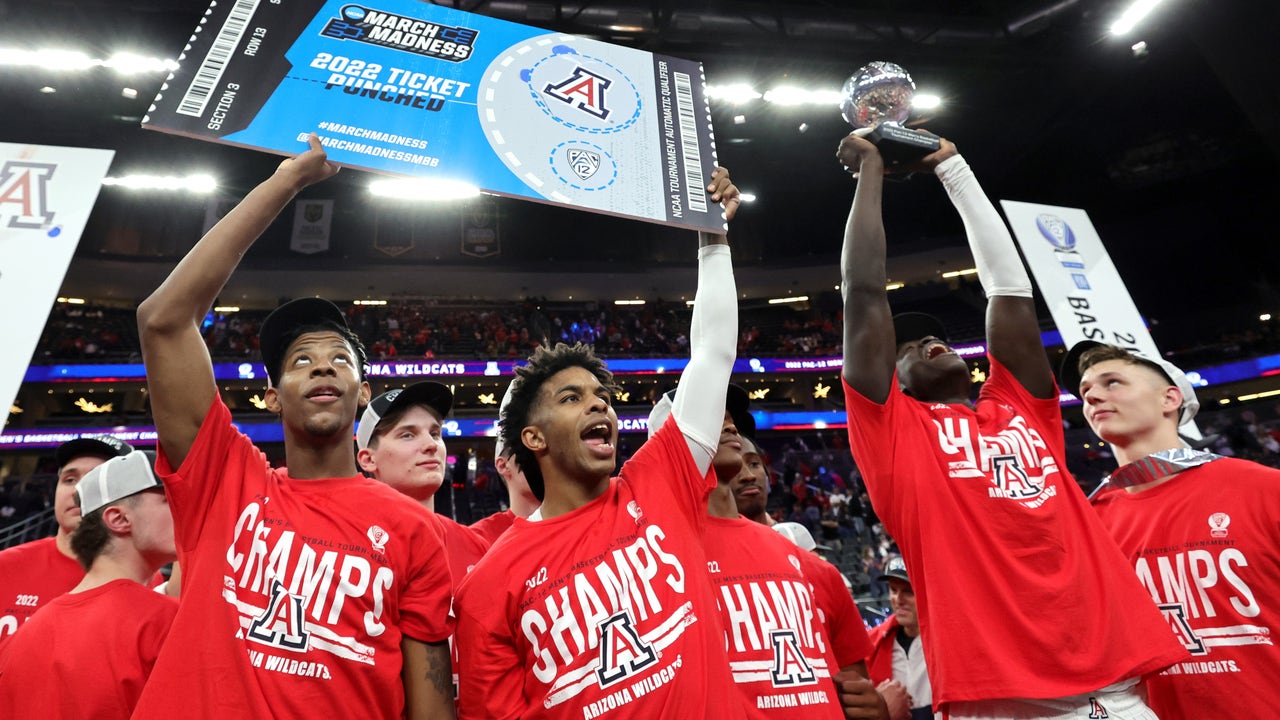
899 145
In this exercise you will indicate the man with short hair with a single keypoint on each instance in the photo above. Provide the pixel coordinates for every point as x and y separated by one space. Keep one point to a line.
400 442
33 573
976 494
897 655
88 653
600 601
751 488
1200 530
304 588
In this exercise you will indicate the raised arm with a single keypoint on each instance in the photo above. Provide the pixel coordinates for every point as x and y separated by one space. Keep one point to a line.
713 336
1013 332
869 345
179 372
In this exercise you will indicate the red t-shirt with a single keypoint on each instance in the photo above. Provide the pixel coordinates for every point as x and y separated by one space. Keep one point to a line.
86 655
606 611
295 593
845 628
463 545
1206 545
778 650
32 574
492 527
1033 598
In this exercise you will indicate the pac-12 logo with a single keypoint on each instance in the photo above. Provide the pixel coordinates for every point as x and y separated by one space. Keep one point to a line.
622 651
583 90
585 163
1056 231
24 196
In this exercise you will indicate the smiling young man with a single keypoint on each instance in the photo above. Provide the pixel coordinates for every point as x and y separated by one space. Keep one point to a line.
88 653
600 603
1200 530
307 587
400 442
976 494
897 654
33 573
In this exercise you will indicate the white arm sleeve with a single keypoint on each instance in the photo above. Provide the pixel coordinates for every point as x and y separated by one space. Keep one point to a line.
713 346
1000 269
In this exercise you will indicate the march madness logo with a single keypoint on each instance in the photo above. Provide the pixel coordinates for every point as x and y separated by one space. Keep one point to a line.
397 32
24 197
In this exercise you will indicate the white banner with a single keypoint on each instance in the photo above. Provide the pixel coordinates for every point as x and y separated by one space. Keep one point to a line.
311 219
46 194
1078 281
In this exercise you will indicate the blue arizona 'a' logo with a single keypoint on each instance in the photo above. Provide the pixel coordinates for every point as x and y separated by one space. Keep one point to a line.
583 90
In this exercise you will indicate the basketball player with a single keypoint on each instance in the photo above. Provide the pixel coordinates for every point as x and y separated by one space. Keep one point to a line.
88 653
1200 530
308 588
33 573
600 602
977 495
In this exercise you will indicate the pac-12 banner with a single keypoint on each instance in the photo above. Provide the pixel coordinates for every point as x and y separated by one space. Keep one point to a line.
409 88
46 194
1078 281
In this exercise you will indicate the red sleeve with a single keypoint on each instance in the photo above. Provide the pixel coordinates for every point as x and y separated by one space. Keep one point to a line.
664 463
490 671
427 594
219 456
849 640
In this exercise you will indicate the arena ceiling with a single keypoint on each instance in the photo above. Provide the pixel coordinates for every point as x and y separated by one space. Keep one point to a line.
1171 147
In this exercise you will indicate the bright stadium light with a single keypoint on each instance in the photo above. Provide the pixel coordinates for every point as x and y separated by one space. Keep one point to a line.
190 183
926 102
1133 15
127 63
424 189
737 93
790 95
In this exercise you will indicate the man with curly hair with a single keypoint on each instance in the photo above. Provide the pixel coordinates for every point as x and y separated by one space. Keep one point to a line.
601 597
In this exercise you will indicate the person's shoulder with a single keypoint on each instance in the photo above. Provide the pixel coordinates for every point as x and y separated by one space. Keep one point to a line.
28 550
879 633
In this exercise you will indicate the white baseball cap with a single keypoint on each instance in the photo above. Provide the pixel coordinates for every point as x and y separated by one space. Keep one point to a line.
116 479
800 535
1069 373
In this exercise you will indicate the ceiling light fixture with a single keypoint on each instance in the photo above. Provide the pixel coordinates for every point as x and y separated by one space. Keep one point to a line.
958 273
423 189
1133 15
190 183
796 299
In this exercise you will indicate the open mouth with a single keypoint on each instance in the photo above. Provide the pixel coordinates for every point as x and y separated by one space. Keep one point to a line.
934 349
599 435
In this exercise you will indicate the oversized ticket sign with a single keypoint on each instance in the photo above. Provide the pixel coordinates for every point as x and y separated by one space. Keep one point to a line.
46 194
409 88
1078 281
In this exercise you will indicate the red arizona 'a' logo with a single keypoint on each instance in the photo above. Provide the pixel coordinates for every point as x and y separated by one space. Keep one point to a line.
622 650
281 623
584 90
23 196
790 667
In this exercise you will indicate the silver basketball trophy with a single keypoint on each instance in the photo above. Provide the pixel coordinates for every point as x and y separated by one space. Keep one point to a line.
878 96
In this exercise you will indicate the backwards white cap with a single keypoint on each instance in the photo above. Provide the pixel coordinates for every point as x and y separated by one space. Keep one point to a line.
115 479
